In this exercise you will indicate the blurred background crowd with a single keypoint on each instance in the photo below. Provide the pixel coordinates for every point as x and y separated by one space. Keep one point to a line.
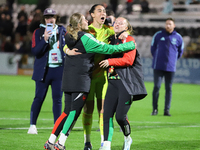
19 19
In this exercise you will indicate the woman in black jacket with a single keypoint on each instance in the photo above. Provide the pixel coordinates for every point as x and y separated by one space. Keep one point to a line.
125 84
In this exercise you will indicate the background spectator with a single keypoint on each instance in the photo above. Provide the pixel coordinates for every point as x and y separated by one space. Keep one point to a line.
195 2
9 3
22 26
2 23
8 45
9 27
6 10
145 6
167 46
43 4
6 32
167 7
129 4
35 22
22 13
114 5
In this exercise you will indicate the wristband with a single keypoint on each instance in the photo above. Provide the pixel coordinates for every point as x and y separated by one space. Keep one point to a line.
67 50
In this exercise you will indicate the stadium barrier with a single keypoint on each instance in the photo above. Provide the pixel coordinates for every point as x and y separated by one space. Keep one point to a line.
187 70
5 66
9 65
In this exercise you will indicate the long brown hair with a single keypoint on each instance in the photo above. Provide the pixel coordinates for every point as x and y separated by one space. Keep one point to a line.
73 28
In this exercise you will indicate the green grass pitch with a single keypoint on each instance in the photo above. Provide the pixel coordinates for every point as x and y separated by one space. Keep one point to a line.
181 131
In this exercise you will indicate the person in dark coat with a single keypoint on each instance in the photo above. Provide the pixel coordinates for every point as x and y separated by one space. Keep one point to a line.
47 47
35 22
125 85
145 6
22 13
114 5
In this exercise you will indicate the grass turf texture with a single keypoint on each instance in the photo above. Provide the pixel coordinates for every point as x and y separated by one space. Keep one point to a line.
181 131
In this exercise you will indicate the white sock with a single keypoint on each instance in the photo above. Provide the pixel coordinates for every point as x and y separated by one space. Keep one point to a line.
126 137
52 138
86 138
62 139
107 144
102 138
33 125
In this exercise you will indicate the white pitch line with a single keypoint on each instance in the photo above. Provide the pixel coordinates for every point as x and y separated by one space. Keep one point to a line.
135 126
21 119
192 126
93 120
37 128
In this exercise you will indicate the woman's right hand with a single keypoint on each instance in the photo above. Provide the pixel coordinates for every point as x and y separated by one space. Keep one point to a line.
72 52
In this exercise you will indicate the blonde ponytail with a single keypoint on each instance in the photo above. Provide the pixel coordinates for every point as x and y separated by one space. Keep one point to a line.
73 28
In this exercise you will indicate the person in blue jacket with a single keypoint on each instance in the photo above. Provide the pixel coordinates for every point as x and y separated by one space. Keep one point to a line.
166 48
47 47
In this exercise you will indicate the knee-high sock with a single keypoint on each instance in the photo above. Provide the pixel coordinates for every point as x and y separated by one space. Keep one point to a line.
62 139
59 124
57 127
87 126
101 126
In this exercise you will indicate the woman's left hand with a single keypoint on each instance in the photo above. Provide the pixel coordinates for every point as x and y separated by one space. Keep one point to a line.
104 63
74 51
123 36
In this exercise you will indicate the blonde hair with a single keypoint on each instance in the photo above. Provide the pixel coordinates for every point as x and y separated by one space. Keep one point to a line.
73 28
130 28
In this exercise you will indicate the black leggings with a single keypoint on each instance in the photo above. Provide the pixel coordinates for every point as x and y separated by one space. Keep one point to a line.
74 103
118 101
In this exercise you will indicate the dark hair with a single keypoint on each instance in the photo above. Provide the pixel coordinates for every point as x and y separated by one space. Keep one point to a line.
170 19
93 8
109 12
55 16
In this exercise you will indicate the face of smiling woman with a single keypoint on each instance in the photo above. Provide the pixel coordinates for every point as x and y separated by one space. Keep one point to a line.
84 23
120 25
